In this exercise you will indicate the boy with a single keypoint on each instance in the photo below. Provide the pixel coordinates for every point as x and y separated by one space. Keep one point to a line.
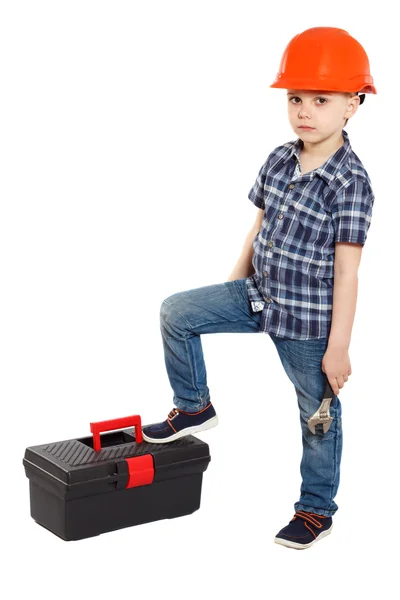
296 278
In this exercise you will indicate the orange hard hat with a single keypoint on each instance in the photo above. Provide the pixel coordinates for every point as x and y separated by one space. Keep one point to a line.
325 58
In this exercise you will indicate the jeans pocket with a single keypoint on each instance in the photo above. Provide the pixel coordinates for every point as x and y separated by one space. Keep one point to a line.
241 289
304 356
238 291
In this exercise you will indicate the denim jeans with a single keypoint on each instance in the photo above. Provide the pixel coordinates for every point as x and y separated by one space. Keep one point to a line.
225 308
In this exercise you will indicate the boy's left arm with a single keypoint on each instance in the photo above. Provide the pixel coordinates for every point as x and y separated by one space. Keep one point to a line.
336 360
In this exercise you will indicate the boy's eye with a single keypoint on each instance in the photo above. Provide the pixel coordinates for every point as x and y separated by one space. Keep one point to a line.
297 100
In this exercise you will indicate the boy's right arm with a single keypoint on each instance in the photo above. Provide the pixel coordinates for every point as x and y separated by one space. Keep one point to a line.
244 267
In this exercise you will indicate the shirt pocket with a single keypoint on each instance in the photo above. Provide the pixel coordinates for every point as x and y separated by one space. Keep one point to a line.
311 214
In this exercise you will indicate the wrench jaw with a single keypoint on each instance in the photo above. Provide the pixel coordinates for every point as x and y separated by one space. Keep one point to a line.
311 425
327 424
321 416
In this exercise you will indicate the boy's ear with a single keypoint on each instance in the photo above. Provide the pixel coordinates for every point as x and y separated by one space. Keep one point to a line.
352 106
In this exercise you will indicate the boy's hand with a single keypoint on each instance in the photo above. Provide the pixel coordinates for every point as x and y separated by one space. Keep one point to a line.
336 365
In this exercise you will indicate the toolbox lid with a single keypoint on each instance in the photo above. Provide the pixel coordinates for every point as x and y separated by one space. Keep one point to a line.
122 460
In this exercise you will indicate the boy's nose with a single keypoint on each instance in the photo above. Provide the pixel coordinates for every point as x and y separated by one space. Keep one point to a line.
304 113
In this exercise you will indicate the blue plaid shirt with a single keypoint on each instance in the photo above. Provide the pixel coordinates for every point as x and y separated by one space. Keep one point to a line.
304 215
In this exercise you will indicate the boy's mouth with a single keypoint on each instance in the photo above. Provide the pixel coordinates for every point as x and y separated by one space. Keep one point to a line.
306 128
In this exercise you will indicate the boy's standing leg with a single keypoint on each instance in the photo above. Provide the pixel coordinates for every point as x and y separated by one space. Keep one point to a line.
320 464
185 316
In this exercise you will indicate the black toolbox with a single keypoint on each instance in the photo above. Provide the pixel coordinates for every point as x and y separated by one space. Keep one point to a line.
83 487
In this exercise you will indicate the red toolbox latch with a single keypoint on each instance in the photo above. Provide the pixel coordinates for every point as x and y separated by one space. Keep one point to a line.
141 470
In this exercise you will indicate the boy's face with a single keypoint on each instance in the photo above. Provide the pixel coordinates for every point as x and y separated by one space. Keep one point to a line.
316 115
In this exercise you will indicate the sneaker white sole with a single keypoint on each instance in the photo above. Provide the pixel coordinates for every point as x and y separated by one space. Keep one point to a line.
297 546
184 432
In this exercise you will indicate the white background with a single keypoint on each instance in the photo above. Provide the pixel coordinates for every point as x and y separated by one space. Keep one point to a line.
131 133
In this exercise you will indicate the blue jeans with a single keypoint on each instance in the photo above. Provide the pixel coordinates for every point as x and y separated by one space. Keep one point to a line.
225 308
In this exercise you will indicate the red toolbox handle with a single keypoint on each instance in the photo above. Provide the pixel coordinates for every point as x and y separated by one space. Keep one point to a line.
132 421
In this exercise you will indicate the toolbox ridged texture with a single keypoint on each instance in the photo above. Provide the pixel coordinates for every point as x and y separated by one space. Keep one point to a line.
74 452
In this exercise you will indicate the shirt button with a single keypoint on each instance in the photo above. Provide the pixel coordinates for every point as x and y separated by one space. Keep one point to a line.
268 300
280 216
291 186
270 244
265 273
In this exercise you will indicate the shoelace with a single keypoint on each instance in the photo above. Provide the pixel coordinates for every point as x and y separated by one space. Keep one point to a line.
173 413
309 518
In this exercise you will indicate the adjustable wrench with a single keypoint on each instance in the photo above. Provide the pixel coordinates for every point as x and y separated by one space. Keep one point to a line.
322 415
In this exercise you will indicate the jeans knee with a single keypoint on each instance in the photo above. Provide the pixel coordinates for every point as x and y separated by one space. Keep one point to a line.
170 310
165 310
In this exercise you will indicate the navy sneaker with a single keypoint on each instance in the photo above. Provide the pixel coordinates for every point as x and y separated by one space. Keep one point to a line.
304 530
179 424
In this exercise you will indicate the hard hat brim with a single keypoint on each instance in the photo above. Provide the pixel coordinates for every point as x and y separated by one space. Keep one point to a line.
358 85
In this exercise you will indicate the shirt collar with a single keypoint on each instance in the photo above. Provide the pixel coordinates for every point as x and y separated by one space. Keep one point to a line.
329 170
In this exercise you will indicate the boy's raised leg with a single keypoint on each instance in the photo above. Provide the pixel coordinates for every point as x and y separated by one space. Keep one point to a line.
185 316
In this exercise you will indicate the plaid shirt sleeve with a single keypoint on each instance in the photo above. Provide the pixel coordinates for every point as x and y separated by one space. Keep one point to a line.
256 194
352 212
